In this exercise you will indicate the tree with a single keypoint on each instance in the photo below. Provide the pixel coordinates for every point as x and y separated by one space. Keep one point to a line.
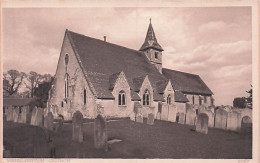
249 98
33 80
239 102
12 81
42 92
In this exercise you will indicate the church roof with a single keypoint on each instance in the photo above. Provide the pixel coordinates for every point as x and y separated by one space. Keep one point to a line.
102 61
150 40
186 83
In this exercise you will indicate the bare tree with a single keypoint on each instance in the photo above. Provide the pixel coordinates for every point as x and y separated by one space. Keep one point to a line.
33 80
12 81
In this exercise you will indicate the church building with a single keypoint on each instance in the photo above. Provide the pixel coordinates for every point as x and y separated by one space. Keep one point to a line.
97 76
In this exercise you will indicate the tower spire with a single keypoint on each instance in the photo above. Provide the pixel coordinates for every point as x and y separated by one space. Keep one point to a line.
150 39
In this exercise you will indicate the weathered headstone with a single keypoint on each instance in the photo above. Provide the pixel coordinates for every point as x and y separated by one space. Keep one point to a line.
37 117
233 121
9 116
150 119
202 123
190 117
48 121
23 114
139 118
16 114
172 113
165 112
221 119
100 133
77 133
211 115
181 118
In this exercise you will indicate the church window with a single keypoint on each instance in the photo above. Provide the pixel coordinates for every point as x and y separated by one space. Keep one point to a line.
205 99
156 55
146 98
67 78
200 100
62 104
121 98
66 59
193 99
169 101
85 96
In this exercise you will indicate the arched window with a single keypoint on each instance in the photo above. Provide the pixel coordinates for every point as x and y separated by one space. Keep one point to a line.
121 98
85 96
169 100
146 98
66 59
193 100
67 78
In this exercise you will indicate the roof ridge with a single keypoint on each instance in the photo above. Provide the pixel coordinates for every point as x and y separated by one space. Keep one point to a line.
180 71
107 42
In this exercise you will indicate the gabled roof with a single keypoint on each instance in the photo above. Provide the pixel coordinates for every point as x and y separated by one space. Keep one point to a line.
186 83
180 97
112 80
102 60
16 101
150 40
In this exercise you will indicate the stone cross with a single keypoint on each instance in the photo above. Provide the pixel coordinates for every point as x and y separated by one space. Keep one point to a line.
202 123
100 133
77 125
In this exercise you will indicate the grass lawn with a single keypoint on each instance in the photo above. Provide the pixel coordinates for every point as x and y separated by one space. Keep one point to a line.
161 140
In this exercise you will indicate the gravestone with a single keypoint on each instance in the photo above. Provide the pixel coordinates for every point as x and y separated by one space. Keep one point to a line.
37 117
48 121
190 117
172 113
16 114
165 112
77 133
100 133
202 123
132 116
221 119
150 119
59 125
139 118
9 116
181 118
233 121
24 113
210 114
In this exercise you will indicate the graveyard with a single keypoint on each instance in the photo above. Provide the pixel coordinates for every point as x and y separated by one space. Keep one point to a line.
122 138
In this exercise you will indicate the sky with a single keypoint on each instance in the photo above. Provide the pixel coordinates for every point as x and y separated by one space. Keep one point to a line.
213 42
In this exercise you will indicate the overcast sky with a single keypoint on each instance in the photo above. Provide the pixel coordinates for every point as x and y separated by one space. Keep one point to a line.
214 43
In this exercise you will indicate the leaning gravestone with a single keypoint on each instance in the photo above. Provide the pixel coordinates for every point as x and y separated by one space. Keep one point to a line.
181 118
150 119
190 117
221 119
77 124
233 121
202 123
139 118
48 121
100 133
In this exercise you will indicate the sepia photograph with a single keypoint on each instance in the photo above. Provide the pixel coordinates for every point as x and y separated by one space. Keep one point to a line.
128 82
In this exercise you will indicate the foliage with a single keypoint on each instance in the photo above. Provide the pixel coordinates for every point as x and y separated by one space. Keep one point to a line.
249 100
12 81
239 102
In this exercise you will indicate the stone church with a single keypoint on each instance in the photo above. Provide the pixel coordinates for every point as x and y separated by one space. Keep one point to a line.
95 76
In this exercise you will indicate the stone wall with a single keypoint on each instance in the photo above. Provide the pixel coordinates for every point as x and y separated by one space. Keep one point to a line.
77 84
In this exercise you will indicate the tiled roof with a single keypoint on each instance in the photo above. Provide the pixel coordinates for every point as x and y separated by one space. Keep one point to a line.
112 80
186 83
101 59
150 40
180 97
16 101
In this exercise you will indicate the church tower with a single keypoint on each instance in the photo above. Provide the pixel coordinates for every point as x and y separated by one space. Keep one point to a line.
152 49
